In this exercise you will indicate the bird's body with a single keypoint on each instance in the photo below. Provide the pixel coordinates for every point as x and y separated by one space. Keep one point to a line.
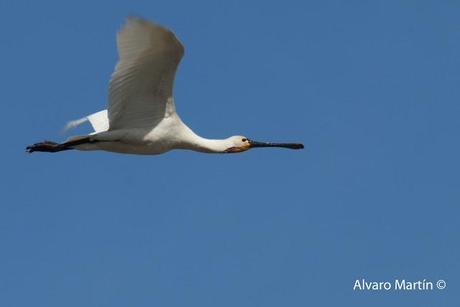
141 116
170 133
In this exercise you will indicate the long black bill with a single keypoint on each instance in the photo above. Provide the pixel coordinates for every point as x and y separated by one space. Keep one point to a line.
255 144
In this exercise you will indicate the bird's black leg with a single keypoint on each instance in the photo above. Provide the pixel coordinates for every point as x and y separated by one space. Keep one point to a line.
47 146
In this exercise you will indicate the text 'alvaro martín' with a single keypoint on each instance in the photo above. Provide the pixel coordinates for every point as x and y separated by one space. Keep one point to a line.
397 284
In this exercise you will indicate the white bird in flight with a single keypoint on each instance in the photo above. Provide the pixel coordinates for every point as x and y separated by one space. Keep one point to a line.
141 115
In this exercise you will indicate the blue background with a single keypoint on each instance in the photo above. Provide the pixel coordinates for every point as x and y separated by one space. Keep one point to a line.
370 87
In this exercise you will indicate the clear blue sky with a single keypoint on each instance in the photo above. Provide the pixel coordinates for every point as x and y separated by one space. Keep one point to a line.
370 87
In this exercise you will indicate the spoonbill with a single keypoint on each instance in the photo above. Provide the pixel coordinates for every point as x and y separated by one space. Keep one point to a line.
141 115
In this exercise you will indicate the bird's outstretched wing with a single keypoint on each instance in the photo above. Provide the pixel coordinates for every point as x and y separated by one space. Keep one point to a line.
140 90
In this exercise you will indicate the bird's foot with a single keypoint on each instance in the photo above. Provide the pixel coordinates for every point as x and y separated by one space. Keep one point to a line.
45 146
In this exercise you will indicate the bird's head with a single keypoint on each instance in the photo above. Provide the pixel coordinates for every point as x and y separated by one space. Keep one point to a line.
239 143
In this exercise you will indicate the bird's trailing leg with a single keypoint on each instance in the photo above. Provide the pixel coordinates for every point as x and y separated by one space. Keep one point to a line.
48 146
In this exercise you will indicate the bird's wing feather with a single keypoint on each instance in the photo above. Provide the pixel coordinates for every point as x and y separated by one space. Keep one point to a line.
98 120
140 90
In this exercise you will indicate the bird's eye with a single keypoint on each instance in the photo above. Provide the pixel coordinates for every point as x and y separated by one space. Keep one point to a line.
244 140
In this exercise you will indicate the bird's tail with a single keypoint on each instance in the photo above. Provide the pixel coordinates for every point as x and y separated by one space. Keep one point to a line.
48 146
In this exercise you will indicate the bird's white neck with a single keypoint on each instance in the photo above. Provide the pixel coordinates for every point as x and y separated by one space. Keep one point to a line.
198 143
208 145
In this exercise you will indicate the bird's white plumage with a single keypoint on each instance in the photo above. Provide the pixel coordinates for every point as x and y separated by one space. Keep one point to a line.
99 121
141 87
